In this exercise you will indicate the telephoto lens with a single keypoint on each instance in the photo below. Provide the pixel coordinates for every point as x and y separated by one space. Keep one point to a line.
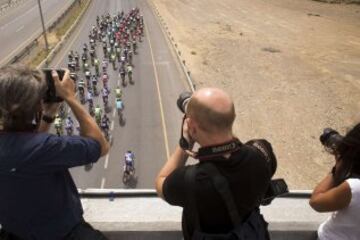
183 100
331 139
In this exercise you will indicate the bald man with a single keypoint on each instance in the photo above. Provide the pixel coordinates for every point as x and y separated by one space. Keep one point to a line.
208 121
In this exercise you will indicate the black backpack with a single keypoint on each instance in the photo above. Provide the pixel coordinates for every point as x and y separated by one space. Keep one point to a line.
253 227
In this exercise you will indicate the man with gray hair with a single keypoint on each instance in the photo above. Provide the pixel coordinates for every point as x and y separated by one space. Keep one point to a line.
39 199
221 194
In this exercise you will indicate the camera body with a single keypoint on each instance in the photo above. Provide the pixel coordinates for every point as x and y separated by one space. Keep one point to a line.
50 95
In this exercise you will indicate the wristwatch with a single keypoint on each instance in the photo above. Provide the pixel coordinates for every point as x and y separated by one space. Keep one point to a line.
48 119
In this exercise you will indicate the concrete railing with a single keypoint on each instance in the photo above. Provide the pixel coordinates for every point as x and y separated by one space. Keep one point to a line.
139 214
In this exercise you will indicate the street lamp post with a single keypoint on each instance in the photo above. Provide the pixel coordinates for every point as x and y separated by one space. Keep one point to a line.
43 26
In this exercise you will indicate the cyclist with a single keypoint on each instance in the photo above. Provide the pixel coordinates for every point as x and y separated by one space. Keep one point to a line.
105 125
90 99
104 46
122 74
94 82
118 93
113 60
71 55
134 45
98 113
129 162
129 72
85 48
69 126
86 67
76 57
130 57
96 64
104 65
81 88
119 107
105 96
58 125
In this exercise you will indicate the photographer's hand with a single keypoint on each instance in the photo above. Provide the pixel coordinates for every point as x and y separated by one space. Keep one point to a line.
176 160
64 88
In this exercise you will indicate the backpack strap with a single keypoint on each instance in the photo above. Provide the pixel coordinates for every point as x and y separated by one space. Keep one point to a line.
222 187
190 175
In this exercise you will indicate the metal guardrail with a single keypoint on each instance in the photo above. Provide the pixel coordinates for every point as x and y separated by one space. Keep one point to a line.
118 192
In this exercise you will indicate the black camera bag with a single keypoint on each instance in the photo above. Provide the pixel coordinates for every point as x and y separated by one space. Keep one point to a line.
253 227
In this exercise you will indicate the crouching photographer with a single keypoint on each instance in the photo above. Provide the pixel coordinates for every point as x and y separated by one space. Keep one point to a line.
39 199
222 193
339 191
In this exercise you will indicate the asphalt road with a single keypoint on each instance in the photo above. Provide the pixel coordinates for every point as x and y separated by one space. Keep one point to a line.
22 24
152 120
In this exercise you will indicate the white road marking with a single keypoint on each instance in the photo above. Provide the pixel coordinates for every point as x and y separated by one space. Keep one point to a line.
114 113
20 28
102 183
162 115
106 163
112 126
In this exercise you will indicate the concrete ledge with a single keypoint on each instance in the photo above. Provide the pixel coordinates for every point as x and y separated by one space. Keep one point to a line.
152 218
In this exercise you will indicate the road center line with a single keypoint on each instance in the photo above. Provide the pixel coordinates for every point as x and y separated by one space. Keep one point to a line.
159 95
102 183
112 126
20 28
106 163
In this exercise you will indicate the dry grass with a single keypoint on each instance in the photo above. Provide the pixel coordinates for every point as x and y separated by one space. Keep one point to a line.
40 56
70 19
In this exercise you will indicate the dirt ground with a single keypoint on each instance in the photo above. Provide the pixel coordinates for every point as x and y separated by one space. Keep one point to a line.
291 66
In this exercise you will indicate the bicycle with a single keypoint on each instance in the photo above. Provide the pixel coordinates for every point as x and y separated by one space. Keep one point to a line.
128 174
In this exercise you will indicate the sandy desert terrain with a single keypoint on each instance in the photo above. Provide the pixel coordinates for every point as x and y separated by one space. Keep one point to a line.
291 66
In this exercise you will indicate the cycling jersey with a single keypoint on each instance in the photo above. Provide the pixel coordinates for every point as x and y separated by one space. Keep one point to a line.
105 92
98 112
89 96
81 84
129 159
58 122
104 125
118 93
69 123
119 104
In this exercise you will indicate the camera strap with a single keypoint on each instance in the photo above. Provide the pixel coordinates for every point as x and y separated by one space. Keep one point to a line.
218 150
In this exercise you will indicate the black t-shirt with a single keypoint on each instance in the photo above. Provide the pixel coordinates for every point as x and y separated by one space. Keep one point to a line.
248 175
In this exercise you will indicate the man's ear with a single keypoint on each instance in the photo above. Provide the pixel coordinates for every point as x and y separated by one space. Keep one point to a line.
192 126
